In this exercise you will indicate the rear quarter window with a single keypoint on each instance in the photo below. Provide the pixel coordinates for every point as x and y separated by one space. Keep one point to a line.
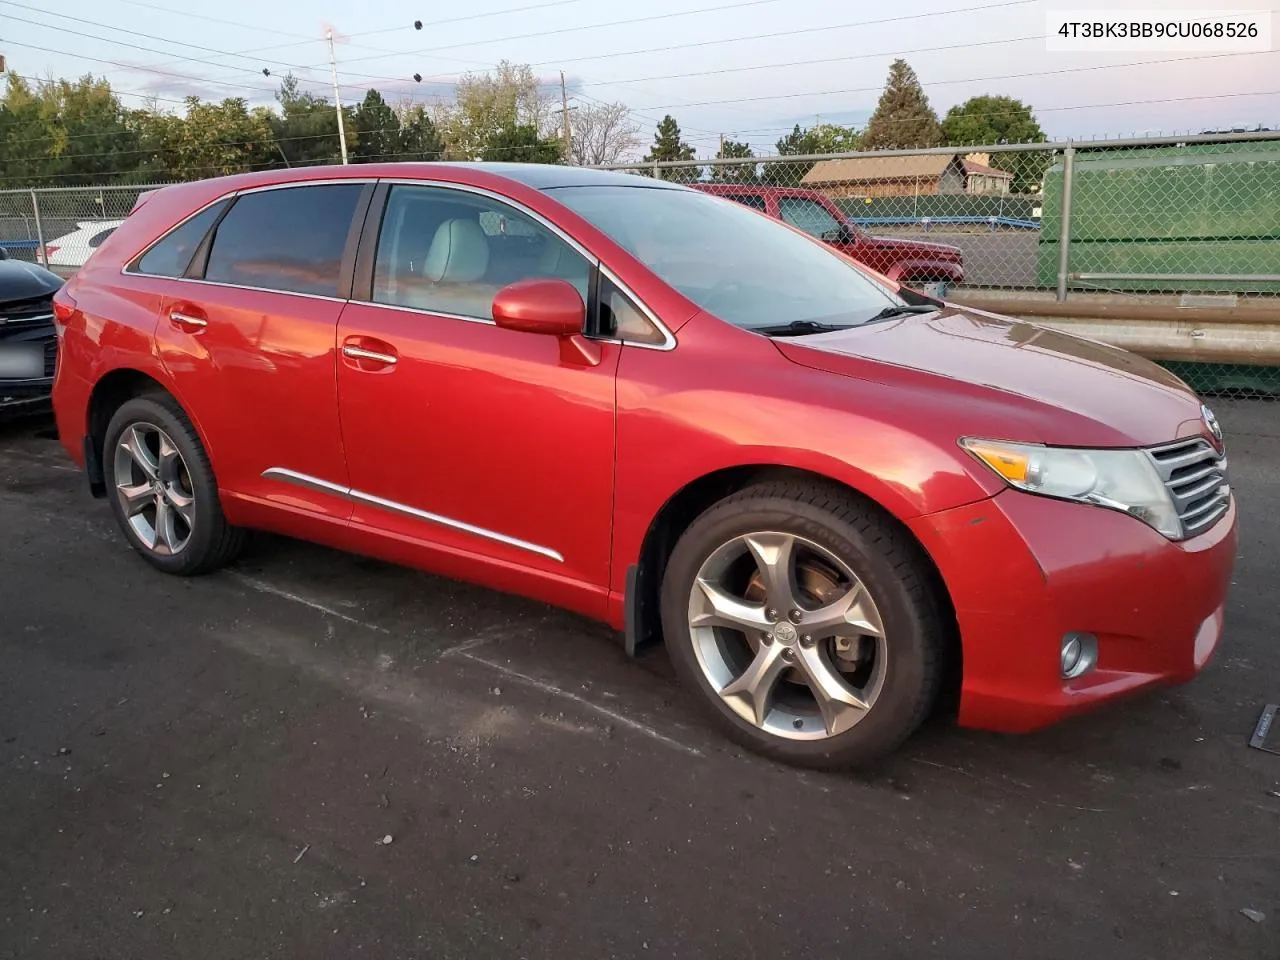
171 254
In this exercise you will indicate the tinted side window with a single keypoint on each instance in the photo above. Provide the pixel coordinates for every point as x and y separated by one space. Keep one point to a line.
450 252
812 218
748 200
96 240
171 256
289 239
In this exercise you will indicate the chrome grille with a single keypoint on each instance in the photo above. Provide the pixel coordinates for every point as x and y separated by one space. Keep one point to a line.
1196 475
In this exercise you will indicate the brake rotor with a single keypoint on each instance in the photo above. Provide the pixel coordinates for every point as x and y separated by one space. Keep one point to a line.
818 584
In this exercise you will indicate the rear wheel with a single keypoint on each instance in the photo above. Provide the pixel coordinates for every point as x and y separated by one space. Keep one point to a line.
806 621
162 489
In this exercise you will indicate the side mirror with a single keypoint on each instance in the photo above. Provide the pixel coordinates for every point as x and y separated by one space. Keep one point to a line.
540 305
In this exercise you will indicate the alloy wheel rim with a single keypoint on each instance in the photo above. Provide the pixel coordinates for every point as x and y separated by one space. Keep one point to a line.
787 635
154 488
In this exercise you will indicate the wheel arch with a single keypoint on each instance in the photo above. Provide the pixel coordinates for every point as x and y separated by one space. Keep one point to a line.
111 391
644 577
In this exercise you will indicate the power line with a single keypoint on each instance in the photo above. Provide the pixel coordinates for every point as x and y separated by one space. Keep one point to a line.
365 33
791 33
737 4
839 59
130 66
937 83
225 53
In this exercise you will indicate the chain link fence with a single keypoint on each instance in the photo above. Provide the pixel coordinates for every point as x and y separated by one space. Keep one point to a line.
59 227
1168 247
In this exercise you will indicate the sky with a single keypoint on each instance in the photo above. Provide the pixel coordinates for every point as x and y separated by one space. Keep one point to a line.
745 69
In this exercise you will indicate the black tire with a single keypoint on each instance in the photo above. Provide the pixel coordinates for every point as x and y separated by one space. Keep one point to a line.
890 564
213 543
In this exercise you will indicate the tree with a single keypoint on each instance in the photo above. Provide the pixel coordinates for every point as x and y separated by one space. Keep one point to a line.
903 117
217 139
377 130
306 129
26 134
521 144
996 119
487 103
820 138
602 133
419 137
667 144
735 172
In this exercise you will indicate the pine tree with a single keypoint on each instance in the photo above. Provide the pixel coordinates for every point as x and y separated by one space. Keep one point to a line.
378 130
903 117
667 144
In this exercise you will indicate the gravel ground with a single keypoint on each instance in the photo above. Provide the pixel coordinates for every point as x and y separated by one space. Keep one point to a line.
210 768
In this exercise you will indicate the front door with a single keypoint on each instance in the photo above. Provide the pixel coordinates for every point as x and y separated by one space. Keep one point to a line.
470 440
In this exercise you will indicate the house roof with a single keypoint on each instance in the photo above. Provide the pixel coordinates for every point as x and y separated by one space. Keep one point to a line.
982 170
869 169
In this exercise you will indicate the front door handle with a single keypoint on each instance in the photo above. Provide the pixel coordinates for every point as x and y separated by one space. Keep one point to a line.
360 353
187 321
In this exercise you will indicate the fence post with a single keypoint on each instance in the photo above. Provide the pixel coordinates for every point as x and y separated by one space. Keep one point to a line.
657 171
35 211
1064 230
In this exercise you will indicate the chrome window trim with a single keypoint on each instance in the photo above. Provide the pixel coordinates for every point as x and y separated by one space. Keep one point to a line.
669 339
359 496
240 286
426 313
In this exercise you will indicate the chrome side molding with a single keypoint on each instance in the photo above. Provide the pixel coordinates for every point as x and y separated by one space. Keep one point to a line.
359 496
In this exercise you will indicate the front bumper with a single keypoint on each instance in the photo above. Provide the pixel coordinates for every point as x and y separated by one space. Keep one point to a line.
1022 571
18 394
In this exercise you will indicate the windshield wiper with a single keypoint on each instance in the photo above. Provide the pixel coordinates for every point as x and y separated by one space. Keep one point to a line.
898 311
800 328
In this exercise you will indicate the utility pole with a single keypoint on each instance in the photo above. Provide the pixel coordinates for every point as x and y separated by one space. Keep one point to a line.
337 98
722 144
565 133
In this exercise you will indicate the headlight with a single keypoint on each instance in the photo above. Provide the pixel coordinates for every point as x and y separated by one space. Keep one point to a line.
1124 480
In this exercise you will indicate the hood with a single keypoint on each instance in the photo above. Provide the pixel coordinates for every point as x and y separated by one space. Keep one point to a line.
1068 390
22 281
935 251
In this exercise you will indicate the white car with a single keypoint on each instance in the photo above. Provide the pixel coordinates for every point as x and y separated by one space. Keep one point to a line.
73 249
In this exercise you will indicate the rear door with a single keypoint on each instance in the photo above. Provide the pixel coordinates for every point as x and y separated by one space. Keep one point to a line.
248 338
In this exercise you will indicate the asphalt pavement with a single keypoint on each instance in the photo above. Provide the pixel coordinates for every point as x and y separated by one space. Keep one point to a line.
314 755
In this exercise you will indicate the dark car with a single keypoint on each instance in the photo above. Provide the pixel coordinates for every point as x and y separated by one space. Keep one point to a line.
28 339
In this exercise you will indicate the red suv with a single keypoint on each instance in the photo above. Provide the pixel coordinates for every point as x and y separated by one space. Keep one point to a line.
831 497
930 267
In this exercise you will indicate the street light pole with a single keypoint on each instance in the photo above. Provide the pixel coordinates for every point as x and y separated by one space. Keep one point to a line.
337 98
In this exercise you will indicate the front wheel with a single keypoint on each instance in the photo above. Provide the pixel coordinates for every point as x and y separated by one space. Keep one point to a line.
808 623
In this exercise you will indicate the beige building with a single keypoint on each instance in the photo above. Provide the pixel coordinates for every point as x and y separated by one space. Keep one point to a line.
907 176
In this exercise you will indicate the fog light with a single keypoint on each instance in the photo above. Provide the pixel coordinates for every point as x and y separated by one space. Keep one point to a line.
1079 654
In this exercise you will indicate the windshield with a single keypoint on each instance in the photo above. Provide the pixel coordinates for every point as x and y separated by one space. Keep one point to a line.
745 268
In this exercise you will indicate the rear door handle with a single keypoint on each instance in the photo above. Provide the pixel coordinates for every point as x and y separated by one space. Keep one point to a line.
360 353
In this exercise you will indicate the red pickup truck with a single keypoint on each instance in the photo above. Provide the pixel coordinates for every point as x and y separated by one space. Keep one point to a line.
929 267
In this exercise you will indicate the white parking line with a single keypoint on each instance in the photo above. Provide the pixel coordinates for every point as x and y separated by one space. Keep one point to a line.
568 695
264 587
